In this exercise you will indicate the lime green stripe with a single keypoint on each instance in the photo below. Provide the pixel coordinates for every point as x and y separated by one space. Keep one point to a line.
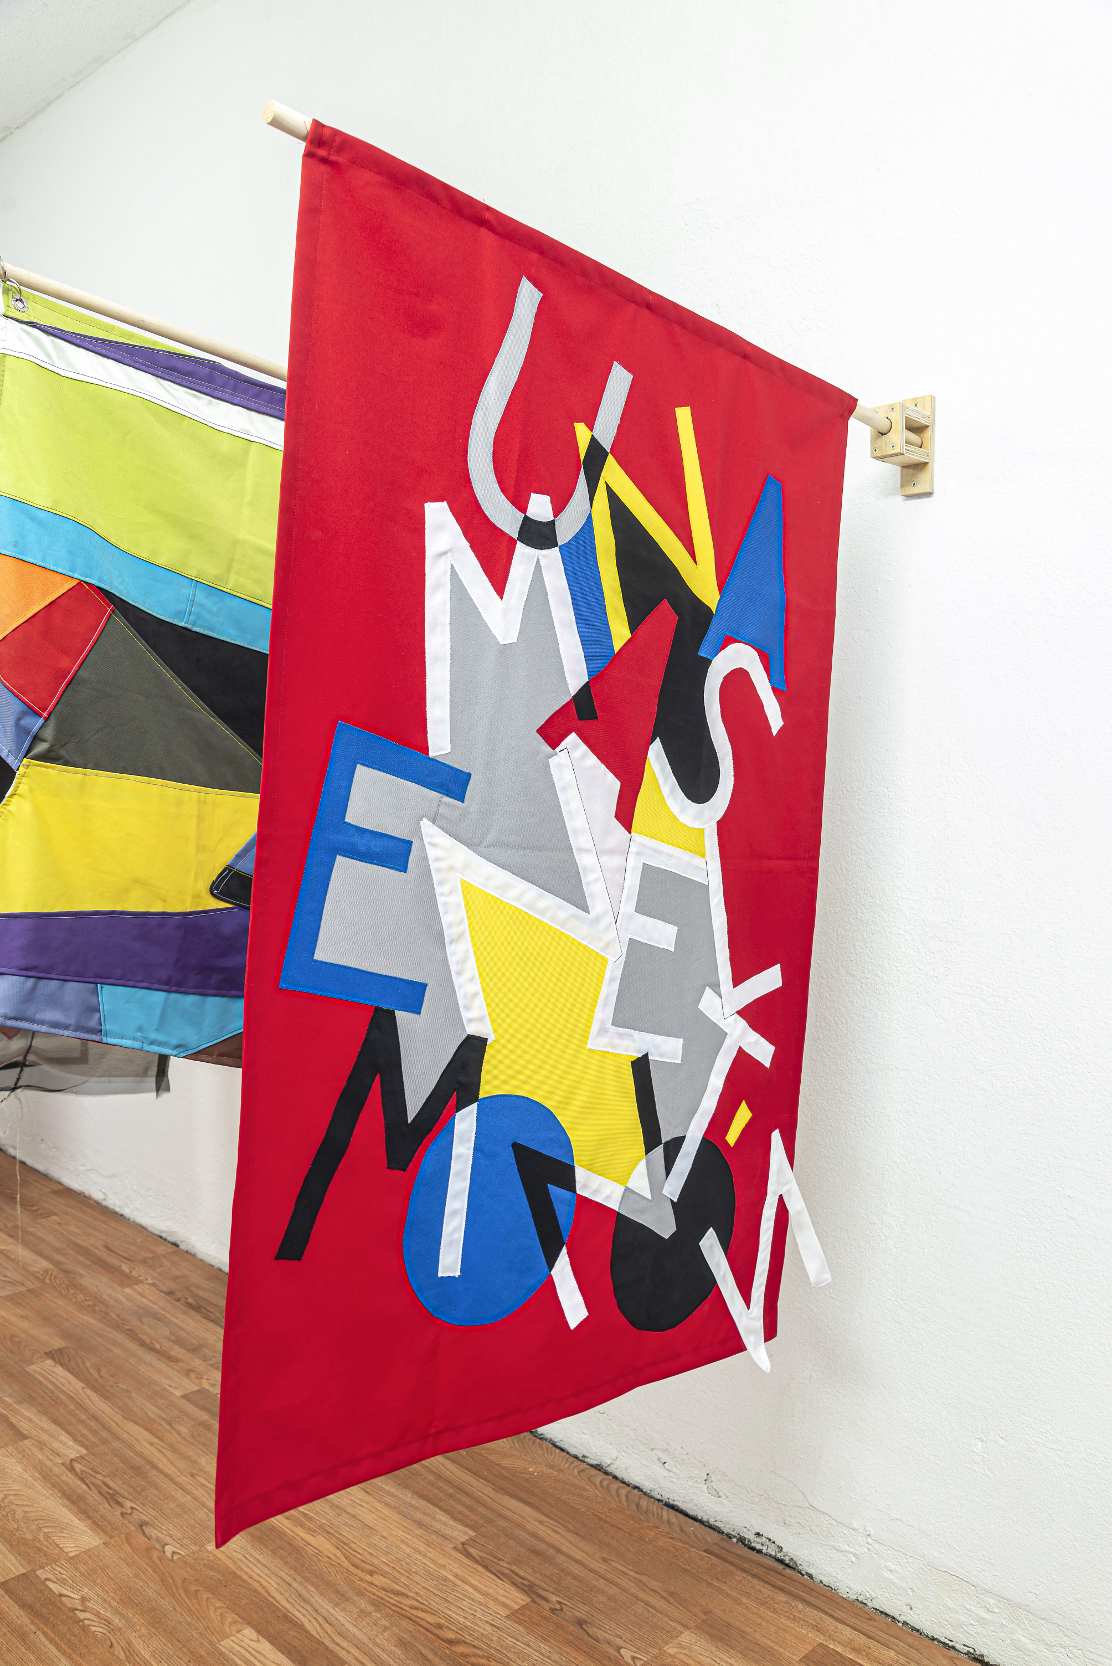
162 487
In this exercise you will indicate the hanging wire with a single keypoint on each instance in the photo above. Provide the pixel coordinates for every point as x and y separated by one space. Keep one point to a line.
19 1125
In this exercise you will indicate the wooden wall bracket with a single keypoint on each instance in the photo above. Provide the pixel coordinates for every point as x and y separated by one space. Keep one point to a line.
909 443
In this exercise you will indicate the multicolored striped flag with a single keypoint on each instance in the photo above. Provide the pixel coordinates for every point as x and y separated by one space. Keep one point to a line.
138 502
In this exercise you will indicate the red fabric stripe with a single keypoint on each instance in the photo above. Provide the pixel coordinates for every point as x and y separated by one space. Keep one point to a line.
40 656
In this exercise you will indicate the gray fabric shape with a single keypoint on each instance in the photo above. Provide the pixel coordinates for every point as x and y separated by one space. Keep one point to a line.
387 804
500 694
491 407
125 712
385 921
365 921
655 1213
492 402
660 991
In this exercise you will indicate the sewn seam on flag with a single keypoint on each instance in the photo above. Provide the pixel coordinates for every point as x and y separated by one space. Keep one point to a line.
69 675
182 495
64 544
330 145
78 364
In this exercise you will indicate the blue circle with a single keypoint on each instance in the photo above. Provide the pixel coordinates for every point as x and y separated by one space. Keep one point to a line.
502 1264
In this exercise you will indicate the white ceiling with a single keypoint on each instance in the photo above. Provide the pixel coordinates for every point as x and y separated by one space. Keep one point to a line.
46 46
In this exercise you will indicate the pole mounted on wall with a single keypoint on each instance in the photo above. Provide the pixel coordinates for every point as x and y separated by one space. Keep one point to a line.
20 280
902 433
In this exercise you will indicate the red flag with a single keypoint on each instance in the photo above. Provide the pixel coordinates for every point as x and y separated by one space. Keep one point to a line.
522 1062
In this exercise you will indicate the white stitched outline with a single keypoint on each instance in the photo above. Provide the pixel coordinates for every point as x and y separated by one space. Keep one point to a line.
446 548
750 1319
737 657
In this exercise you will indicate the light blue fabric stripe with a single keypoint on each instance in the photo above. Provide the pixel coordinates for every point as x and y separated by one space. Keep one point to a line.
52 1005
162 1023
18 727
65 546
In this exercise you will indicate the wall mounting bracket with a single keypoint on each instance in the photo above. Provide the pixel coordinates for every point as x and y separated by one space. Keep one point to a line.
909 443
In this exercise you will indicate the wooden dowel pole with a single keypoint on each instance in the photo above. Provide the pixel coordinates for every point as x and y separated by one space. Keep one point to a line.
140 321
872 419
287 120
297 126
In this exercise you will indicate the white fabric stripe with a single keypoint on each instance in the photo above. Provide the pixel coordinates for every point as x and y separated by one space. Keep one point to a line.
738 657
750 1329
605 1036
457 936
739 1036
65 358
459 1184
579 835
559 603
734 996
598 792
750 1319
452 862
606 1192
571 1297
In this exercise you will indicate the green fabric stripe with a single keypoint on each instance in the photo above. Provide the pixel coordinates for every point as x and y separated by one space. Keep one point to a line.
158 485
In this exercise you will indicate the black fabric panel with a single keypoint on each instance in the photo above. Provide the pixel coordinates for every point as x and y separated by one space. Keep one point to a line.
379 1058
332 1149
537 535
232 886
538 1171
646 1102
7 776
659 1282
230 679
584 702
594 461
647 578
126 713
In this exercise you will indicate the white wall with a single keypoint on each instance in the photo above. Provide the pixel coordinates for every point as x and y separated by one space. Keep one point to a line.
905 199
168 1162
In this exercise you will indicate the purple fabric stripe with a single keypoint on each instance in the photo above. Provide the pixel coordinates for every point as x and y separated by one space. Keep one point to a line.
188 372
203 953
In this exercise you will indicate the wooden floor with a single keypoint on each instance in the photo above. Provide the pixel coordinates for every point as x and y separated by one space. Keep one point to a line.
109 1369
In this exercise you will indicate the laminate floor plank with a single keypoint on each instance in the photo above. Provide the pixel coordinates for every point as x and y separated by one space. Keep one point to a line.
508 1554
24 1643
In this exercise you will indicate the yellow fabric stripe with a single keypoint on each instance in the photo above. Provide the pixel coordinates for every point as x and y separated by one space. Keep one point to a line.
25 589
655 820
702 541
699 574
85 839
696 578
541 987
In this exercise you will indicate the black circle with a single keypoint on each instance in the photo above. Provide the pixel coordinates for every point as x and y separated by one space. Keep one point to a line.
659 1282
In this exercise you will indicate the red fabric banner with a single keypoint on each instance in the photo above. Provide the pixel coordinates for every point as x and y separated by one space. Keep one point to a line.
538 845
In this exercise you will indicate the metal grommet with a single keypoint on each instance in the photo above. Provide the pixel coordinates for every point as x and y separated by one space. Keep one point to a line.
18 301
